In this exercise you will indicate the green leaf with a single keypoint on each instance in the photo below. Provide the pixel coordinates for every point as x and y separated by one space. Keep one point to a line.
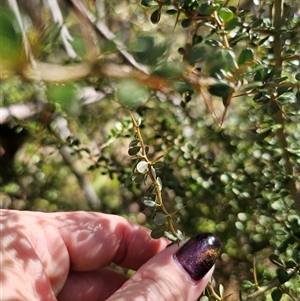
245 56
206 9
148 201
155 16
221 90
186 23
196 54
169 70
179 234
247 284
261 136
138 177
131 94
220 60
296 255
147 51
153 172
221 290
134 142
148 3
170 236
11 39
276 294
197 39
297 76
276 259
290 264
158 179
142 166
226 14
158 165
232 24
160 218
157 233
282 275
67 96
133 150
172 11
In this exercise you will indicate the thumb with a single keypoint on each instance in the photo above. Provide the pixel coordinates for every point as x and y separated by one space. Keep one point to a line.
178 273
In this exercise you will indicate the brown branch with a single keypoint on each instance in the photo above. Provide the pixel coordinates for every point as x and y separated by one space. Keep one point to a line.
62 132
273 283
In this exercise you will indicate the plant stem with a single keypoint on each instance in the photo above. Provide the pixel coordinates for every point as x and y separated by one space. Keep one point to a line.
154 181
273 283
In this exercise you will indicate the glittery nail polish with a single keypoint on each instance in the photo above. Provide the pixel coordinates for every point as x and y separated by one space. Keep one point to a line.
199 254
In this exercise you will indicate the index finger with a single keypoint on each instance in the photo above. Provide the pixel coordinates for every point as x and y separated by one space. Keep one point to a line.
95 240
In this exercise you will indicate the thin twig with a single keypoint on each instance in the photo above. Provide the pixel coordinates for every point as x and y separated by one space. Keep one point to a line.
273 283
153 179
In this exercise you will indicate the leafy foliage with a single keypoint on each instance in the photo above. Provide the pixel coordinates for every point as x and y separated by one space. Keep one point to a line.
211 141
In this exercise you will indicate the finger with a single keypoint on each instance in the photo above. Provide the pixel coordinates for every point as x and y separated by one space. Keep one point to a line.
94 240
174 274
34 252
91 285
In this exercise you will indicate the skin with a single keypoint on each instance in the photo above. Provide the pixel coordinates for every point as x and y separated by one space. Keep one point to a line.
67 256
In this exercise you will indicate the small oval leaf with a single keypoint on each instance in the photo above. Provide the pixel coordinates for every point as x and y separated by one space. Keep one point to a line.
226 14
155 17
148 201
180 235
186 23
220 89
133 150
160 218
138 177
276 259
282 275
157 233
134 143
142 166
153 172
245 56
170 236
158 179
276 294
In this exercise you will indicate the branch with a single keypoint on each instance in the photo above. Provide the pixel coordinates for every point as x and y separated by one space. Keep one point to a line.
273 283
104 31
88 95
62 132
19 111
64 33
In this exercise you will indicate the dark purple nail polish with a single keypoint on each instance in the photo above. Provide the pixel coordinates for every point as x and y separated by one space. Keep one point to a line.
199 254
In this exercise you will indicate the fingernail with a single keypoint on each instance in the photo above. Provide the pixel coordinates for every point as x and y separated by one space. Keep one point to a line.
198 255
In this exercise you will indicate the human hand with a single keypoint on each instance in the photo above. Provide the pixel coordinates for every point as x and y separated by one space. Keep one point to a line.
66 256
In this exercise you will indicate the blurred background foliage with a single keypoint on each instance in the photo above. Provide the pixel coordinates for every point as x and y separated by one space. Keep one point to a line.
217 87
